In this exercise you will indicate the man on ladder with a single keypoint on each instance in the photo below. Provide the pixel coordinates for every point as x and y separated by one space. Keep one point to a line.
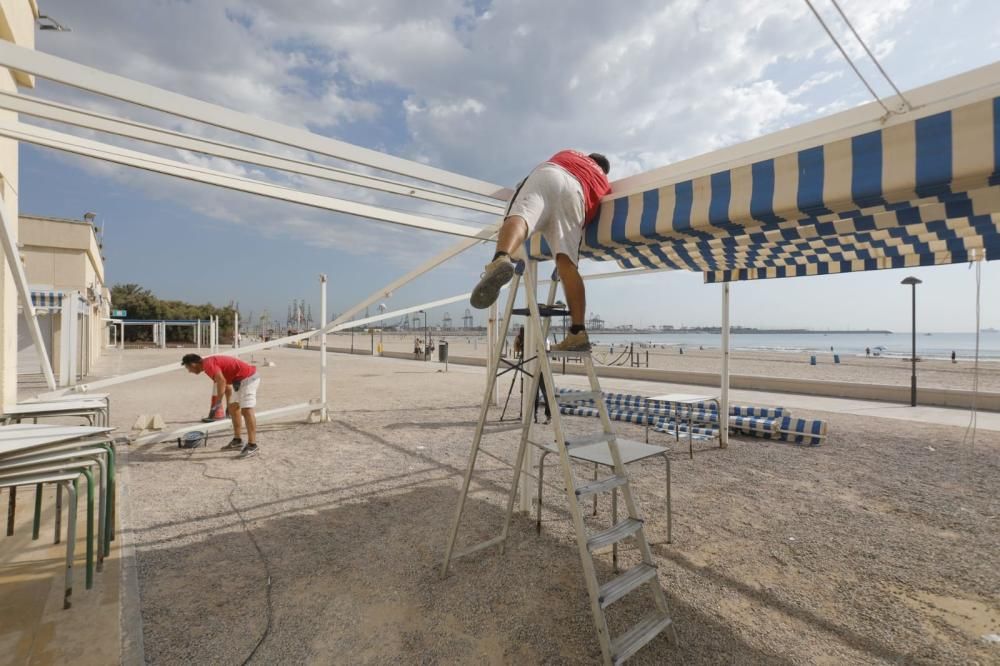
558 199
555 200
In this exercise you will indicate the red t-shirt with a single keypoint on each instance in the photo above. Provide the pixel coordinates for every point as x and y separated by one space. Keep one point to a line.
592 178
233 369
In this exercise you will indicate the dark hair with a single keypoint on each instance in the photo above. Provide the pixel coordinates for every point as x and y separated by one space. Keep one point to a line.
601 160
190 358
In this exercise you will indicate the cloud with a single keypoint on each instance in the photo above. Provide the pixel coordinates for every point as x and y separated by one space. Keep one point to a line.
484 91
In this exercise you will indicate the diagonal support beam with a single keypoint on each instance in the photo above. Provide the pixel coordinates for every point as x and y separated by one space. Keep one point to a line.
94 80
24 294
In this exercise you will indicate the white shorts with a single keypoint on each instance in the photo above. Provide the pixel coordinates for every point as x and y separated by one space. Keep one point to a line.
246 395
551 201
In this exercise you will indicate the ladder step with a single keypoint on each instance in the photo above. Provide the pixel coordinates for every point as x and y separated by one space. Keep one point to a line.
618 587
600 486
577 396
616 533
586 440
493 429
631 641
496 541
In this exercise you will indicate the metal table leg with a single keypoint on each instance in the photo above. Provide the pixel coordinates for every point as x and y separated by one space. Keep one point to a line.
670 510
59 502
70 543
11 506
37 522
88 475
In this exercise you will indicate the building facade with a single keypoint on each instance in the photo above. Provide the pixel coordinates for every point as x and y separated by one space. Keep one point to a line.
65 270
17 24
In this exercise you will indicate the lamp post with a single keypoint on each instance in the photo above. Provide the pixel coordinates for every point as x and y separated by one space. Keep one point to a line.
913 282
425 332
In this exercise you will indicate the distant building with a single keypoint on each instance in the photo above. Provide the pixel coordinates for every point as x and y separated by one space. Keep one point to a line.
65 271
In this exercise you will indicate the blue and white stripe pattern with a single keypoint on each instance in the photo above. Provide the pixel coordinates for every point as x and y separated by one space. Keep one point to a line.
46 299
917 193
767 422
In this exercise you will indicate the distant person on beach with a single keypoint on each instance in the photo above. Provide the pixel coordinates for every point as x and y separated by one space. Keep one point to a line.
519 342
953 359
226 371
557 199
868 351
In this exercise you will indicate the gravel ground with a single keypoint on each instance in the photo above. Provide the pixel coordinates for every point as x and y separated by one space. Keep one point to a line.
879 547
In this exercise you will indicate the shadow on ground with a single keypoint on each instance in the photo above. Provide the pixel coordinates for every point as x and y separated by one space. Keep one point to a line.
354 584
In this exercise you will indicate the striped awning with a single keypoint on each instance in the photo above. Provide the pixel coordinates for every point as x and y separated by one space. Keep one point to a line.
918 193
47 299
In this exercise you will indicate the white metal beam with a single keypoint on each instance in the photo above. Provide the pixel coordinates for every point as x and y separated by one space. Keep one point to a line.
80 146
27 307
266 415
94 80
131 129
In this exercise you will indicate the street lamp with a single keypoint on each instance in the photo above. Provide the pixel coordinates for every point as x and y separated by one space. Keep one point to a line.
425 332
913 282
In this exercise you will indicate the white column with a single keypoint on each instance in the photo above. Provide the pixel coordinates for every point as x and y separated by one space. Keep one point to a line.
197 335
236 330
724 399
68 343
163 335
526 491
322 347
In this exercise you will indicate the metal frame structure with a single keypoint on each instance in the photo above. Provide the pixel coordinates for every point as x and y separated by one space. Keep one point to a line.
459 191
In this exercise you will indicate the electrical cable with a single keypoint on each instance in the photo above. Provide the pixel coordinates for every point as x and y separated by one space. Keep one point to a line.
848 58
253 540
871 55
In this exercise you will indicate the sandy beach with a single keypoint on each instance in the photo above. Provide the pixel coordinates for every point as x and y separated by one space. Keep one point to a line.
876 370
876 548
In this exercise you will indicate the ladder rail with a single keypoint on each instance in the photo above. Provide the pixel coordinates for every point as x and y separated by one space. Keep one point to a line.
587 562
631 507
494 362
531 293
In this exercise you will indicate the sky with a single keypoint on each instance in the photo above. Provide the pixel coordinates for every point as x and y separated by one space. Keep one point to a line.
486 89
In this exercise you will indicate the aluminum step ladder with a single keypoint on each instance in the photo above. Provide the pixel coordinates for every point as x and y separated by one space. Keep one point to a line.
615 650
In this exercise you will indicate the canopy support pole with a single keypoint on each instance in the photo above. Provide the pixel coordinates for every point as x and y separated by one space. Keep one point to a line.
724 400
323 415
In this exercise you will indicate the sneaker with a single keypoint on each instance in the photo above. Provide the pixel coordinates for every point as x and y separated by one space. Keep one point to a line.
497 273
574 342
233 445
248 450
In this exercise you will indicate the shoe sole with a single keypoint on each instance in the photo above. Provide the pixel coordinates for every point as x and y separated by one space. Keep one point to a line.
486 292
249 455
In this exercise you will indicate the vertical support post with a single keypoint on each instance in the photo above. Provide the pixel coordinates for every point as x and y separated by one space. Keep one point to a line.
913 352
197 334
724 398
322 348
531 344
67 340
236 329
163 335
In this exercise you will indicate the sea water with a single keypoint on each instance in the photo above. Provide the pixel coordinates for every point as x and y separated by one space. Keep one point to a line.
929 345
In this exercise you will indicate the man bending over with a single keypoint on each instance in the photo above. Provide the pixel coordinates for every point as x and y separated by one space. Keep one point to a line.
227 371
557 199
